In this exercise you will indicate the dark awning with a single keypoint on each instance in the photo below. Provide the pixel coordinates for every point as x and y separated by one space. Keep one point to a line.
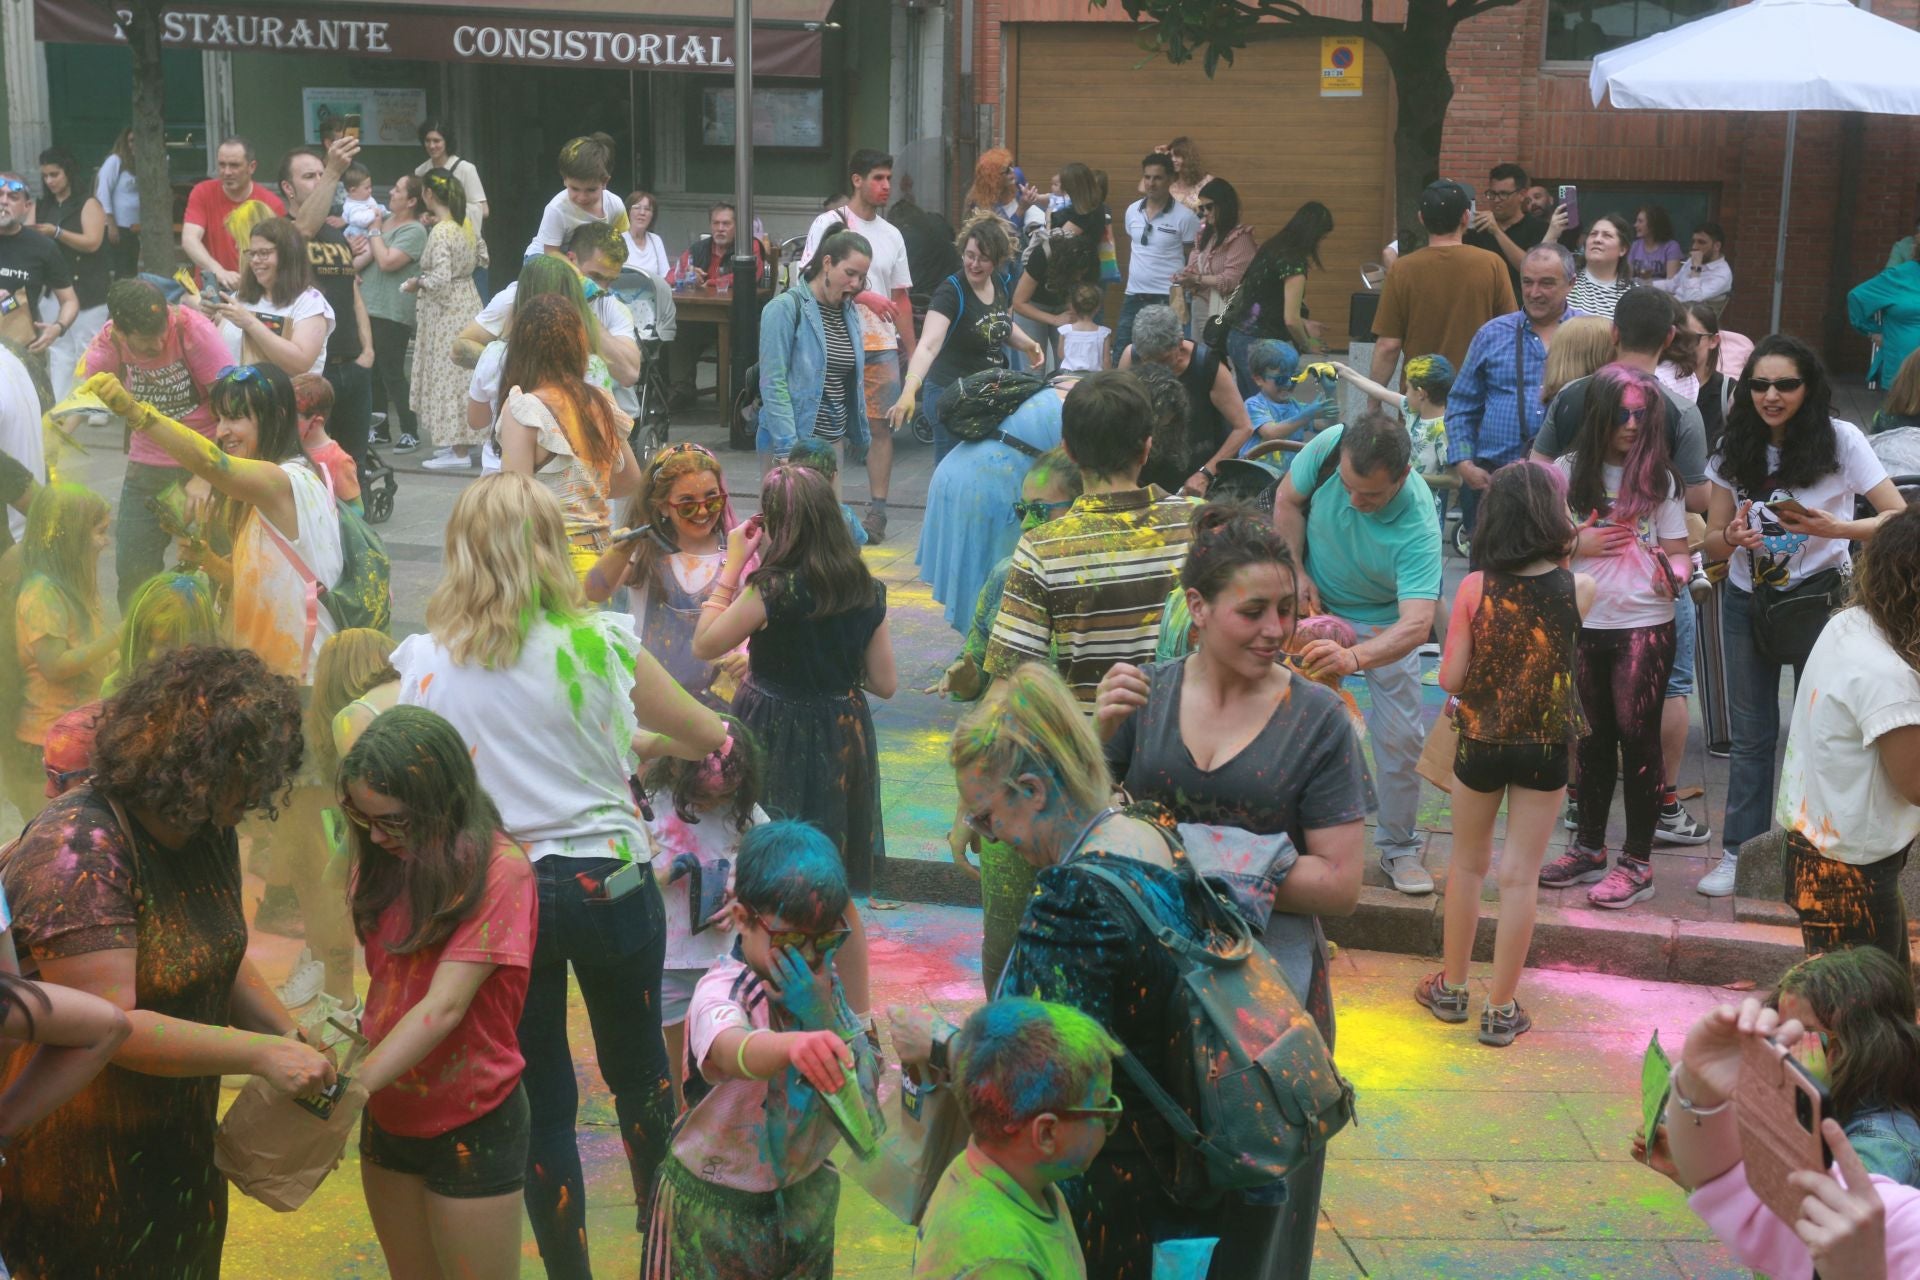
625 35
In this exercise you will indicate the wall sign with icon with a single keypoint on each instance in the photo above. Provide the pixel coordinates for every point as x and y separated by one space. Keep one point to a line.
1343 65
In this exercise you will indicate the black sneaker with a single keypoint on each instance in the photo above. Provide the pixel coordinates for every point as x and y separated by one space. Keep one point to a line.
1501 1027
1571 818
1677 826
407 443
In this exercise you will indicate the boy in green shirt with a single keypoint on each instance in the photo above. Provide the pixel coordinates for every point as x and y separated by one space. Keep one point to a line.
1036 1082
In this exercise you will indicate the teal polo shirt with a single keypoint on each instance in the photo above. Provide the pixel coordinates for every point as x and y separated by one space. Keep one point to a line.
1365 563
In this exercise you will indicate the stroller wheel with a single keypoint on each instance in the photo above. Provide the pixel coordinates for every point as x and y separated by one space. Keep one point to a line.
922 430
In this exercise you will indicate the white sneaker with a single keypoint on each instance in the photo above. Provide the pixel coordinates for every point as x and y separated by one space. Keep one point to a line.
447 461
1718 883
304 983
318 1021
1407 875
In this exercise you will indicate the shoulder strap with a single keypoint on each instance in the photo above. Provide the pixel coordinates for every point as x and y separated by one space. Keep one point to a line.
1328 465
315 587
1520 373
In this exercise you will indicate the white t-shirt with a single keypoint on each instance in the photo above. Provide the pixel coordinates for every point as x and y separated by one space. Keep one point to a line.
1626 595
650 257
484 388
607 309
282 320
710 839
887 272
1834 791
562 215
1833 493
1150 269
270 597
1082 349
20 434
551 736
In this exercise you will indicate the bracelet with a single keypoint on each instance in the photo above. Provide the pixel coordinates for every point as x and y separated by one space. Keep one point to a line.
740 1055
1686 1103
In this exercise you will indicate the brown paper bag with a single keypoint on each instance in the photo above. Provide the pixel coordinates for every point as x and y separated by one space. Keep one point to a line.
1436 757
925 1131
276 1150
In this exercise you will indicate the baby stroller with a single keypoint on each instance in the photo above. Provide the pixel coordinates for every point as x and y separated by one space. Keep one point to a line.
378 483
651 303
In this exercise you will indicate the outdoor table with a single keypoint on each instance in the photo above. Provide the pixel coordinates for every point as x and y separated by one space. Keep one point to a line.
707 305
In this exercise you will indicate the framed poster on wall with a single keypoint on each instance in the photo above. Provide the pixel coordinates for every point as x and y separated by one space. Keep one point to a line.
378 117
793 119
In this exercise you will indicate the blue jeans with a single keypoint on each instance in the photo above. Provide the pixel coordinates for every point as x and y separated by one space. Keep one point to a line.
1131 306
1753 707
616 950
930 394
1239 344
139 543
1686 632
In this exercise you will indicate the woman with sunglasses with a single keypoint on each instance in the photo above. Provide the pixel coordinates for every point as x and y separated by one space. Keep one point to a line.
671 570
445 904
1785 481
1623 486
551 698
1221 254
1031 773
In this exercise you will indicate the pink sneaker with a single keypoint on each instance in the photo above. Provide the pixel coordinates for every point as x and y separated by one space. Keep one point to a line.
1629 882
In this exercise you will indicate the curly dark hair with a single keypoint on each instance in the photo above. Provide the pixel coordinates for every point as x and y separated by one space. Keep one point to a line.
1172 414
194 726
1809 447
732 779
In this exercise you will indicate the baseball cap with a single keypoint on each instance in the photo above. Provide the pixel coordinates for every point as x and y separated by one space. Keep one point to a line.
1443 204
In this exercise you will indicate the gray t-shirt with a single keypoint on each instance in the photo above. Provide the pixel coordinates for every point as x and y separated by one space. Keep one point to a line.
1686 430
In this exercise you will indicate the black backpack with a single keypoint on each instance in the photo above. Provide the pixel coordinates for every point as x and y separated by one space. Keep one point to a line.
974 407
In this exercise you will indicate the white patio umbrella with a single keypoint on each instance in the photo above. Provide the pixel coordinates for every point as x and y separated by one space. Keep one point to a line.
1770 55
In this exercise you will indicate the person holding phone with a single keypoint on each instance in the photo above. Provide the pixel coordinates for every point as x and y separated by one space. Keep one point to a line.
1853 1226
549 697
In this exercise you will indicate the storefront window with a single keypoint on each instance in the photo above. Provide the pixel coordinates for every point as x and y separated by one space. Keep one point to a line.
1578 30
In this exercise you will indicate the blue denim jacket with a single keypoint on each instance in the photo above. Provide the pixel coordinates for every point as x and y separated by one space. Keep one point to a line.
1888 1142
793 363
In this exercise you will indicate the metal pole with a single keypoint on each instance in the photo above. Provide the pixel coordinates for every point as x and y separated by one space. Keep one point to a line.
1786 199
745 313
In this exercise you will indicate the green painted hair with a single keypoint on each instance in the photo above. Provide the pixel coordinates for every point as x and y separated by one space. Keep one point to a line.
1017 1058
1030 723
1864 998
168 612
419 759
58 544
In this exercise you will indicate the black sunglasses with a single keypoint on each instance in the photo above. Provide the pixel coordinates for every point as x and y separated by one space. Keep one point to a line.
1760 386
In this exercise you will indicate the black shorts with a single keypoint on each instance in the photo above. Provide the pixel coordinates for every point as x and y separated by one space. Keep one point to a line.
1494 766
481 1158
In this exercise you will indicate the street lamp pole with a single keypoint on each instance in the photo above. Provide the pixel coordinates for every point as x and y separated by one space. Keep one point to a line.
746 281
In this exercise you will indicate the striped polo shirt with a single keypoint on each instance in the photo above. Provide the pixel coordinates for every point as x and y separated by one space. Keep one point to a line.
1087 590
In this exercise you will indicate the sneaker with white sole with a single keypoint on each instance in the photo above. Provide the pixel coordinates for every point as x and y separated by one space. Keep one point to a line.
1575 866
304 983
318 1022
1629 882
1677 826
447 461
1718 883
1449 1004
406 443
1406 873
1571 818
1501 1027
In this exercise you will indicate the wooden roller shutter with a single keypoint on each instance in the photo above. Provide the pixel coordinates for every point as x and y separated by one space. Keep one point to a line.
1086 91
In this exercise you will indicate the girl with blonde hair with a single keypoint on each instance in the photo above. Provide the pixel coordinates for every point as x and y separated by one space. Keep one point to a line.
1579 348
553 699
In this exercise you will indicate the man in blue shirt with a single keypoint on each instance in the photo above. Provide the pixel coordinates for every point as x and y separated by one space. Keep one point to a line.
1494 409
1371 542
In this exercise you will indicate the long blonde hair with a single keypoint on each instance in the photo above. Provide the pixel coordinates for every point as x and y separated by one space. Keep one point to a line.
349 663
1030 723
1579 348
506 564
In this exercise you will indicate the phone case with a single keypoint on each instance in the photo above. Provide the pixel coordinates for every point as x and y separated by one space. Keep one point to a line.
1778 1107
1570 197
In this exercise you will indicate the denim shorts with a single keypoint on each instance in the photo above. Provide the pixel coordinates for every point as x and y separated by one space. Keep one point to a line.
1686 627
482 1158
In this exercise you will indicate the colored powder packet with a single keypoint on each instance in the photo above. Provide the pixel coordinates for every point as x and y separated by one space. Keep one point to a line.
848 1108
1656 1078
1186 1259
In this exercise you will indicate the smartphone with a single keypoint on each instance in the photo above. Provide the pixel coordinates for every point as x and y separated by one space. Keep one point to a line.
11 302
625 880
1791 505
756 524
1570 198
1779 1106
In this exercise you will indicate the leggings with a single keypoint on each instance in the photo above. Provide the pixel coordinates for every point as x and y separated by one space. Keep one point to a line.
1622 676
392 375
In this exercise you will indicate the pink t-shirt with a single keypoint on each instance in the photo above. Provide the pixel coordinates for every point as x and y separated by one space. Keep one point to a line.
477 1066
175 382
340 465
1759 1239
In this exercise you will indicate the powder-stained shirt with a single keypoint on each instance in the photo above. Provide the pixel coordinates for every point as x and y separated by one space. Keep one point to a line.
586 491
707 841
43 612
276 612
1087 590
175 381
980 1222
477 1066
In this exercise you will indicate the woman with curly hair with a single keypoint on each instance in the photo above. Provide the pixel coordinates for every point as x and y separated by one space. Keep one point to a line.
994 191
552 411
129 889
553 698
1850 785
1784 483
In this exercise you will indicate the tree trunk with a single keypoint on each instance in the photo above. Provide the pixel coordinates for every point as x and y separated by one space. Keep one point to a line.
150 139
1418 58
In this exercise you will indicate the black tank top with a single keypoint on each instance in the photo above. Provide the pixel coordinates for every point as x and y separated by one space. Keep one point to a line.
1519 685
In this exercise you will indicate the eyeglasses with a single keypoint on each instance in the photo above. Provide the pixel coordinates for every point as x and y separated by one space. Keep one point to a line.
1502 195
816 946
1760 386
392 826
1022 511
1626 415
694 508
1107 1113
262 253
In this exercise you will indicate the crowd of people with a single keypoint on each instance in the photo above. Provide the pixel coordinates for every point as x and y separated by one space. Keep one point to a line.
634 749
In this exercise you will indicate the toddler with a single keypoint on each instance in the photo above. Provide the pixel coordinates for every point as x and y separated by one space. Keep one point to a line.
362 212
1429 379
313 403
1083 343
1274 412
701 809
745 1191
